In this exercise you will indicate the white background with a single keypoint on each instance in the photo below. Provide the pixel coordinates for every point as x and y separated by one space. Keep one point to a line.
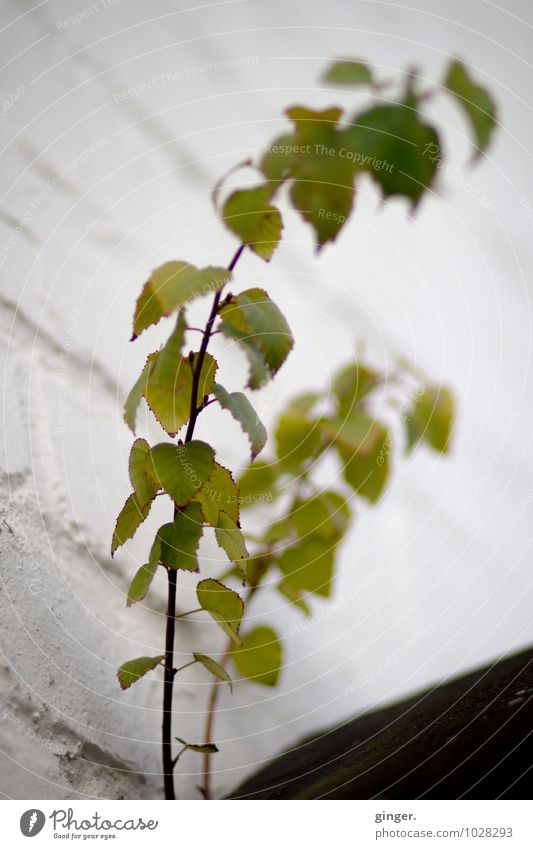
436 578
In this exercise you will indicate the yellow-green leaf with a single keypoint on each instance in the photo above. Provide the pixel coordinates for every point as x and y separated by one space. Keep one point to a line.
240 408
351 384
140 472
249 214
169 381
224 605
325 515
309 565
348 72
396 148
322 189
276 164
143 578
180 539
364 447
169 389
219 493
259 484
294 594
259 657
170 287
431 418
297 438
258 369
129 519
181 470
132 670
476 103
357 433
214 668
304 402
230 538
253 313
131 404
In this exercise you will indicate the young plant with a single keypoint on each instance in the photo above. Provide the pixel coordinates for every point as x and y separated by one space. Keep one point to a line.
316 165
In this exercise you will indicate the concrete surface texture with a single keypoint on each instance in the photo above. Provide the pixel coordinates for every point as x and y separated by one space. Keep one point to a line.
117 119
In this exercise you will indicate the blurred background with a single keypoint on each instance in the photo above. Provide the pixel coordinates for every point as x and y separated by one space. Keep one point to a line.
117 119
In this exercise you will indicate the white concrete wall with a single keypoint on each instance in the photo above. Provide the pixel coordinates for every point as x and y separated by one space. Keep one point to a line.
105 185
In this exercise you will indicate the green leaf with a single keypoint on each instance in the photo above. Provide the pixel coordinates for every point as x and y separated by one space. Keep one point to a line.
326 516
309 565
132 670
170 402
357 433
180 539
305 402
351 384
170 287
278 531
431 418
259 657
129 519
230 538
169 382
476 103
214 668
322 189
181 470
277 162
169 389
364 447
297 439
258 484
141 477
140 583
170 354
396 148
131 405
143 578
241 410
249 214
253 313
203 748
258 369
348 72
219 494
224 605
257 568
293 593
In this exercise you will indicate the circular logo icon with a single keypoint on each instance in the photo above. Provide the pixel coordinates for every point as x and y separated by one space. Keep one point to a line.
32 822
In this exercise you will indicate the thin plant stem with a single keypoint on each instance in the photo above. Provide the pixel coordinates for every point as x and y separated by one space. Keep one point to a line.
185 665
188 613
212 705
210 721
168 764
168 682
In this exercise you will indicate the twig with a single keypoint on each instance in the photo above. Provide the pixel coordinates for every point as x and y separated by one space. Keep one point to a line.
188 613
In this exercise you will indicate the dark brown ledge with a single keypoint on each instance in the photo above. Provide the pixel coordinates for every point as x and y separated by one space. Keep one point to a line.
470 738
